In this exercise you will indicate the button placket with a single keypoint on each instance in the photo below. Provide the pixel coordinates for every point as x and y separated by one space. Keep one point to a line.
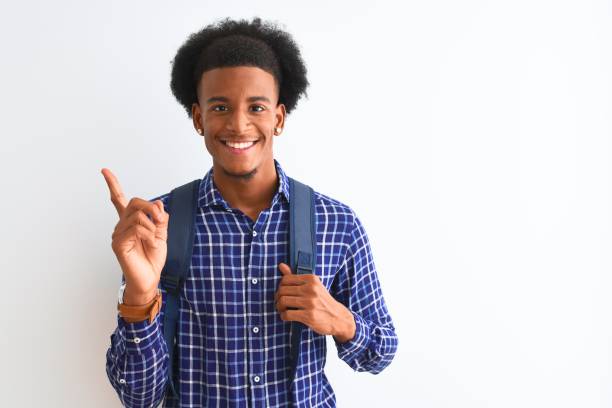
258 353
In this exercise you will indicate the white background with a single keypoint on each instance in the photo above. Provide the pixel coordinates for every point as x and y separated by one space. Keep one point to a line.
472 138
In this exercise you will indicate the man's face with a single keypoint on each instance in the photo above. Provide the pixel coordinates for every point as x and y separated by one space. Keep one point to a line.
238 104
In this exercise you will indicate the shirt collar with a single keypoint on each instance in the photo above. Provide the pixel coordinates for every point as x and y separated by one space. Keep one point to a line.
209 195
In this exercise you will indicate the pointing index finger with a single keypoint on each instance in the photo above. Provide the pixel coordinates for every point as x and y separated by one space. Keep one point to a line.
117 197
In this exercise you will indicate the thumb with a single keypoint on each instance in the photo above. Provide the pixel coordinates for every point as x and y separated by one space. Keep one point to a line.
284 268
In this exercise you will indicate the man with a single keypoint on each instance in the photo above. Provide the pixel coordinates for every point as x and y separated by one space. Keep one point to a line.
237 81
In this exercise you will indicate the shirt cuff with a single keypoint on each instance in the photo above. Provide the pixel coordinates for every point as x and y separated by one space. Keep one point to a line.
351 349
140 337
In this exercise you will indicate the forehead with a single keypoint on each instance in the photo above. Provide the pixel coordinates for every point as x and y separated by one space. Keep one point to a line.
237 81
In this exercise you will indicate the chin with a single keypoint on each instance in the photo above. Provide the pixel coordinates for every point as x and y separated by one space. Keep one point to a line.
239 170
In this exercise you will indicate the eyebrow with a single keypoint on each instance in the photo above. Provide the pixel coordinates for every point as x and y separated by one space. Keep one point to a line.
249 99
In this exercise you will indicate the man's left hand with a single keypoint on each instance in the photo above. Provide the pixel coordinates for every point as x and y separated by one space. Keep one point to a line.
316 307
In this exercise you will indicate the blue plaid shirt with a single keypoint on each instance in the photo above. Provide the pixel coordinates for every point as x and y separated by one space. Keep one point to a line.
233 347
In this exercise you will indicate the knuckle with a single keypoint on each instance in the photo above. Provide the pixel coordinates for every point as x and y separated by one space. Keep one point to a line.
132 229
140 216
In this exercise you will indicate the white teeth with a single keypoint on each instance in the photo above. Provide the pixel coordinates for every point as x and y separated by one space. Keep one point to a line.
240 145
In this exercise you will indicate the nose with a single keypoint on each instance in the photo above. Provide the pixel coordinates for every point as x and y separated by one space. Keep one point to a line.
237 122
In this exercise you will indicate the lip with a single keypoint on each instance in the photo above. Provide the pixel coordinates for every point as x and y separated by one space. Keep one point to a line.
236 151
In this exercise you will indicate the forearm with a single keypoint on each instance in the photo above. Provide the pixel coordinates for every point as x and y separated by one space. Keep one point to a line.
372 348
137 363
345 326
357 286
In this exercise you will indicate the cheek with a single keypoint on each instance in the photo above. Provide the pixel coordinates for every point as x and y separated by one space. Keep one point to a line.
265 123
209 144
267 130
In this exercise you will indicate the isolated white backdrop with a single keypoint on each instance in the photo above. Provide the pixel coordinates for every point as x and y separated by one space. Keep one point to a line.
473 139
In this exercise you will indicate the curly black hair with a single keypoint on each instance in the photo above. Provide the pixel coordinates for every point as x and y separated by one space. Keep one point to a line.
228 43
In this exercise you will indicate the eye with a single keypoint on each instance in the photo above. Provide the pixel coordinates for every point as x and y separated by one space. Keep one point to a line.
259 106
218 106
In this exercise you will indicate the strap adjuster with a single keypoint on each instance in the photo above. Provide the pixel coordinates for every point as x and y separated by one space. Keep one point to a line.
304 263
172 284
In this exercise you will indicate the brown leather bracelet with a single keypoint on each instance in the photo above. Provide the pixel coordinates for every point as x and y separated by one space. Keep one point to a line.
139 313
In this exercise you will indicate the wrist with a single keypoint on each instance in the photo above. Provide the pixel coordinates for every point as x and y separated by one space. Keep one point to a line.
139 313
347 327
131 298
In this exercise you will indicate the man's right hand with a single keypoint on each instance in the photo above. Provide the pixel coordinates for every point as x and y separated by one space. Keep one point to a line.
139 243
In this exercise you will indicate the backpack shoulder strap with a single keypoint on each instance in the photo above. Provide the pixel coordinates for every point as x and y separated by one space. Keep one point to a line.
182 206
302 249
181 231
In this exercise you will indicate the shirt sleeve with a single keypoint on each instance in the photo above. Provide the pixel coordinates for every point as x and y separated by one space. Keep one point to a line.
357 287
137 362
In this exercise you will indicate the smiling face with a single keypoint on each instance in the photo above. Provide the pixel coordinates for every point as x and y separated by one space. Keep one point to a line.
237 111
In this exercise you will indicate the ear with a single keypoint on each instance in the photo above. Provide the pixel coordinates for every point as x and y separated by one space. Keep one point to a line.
280 116
196 116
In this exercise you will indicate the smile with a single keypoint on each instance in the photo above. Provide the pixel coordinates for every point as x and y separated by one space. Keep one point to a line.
239 147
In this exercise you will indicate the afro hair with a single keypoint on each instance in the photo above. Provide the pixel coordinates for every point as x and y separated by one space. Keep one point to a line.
229 43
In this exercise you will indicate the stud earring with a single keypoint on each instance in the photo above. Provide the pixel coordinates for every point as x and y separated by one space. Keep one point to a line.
199 131
278 130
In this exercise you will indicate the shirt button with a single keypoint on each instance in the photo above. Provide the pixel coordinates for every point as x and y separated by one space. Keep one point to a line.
254 281
136 340
256 378
254 233
122 381
255 329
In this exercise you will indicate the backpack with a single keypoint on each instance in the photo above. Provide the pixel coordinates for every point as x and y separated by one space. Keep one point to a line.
182 207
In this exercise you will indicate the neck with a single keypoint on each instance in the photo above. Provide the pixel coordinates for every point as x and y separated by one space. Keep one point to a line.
251 193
